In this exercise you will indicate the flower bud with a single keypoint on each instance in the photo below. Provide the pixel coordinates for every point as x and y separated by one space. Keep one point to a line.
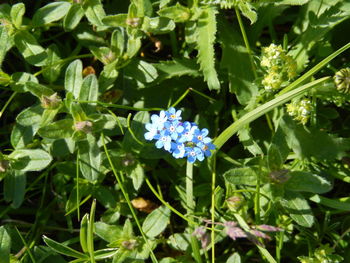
84 126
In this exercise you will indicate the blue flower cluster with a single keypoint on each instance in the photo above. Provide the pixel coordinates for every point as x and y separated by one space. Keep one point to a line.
181 139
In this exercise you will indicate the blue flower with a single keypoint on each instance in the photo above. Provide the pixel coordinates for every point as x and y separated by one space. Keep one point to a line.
181 139
178 149
206 147
173 115
164 140
174 129
201 136
189 129
193 154
159 120
152 131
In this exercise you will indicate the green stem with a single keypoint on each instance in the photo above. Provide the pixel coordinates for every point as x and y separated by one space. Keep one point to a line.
111 105
190 206
213 182
261 110
126 196
245 38
7 103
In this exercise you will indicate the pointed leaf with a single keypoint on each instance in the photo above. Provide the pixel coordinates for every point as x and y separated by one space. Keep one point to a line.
156 222
90 159
14 188
73 17
74 78
5 245
63 249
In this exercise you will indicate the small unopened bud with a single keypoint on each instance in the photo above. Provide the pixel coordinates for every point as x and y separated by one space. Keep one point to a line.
133 22
159 46
88 70
129 244
50 102
84 126
280 176
4 165
128 160
234 202
109 58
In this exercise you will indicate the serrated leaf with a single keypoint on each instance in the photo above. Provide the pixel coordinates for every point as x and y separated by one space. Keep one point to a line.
156 222
74 78
30 159
206 30
5 245
30 49
307 182
57 130
50 13
63 249
298 208
14 188
89 159
176 68
73 17
17 12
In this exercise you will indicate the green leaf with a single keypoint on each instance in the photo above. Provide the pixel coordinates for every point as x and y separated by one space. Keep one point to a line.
73 17
105 253
116 20
90 159
17 12
30 159
5 245
137 175
242 176
144 7
292 2
178 13
94 12
28 46
83 232
57 130
239 70
307 182
89 88
50 13
63 249
109 233
74 78
158 25
20 79
298 208
38 90
176 68
234 258
53 69
302 141
248 11
22 135
5 43
156 222
342 204
206 30
141 71
138 129
30 116
14 188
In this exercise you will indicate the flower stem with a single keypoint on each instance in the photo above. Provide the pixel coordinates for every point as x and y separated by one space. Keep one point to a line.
213 182
190 206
